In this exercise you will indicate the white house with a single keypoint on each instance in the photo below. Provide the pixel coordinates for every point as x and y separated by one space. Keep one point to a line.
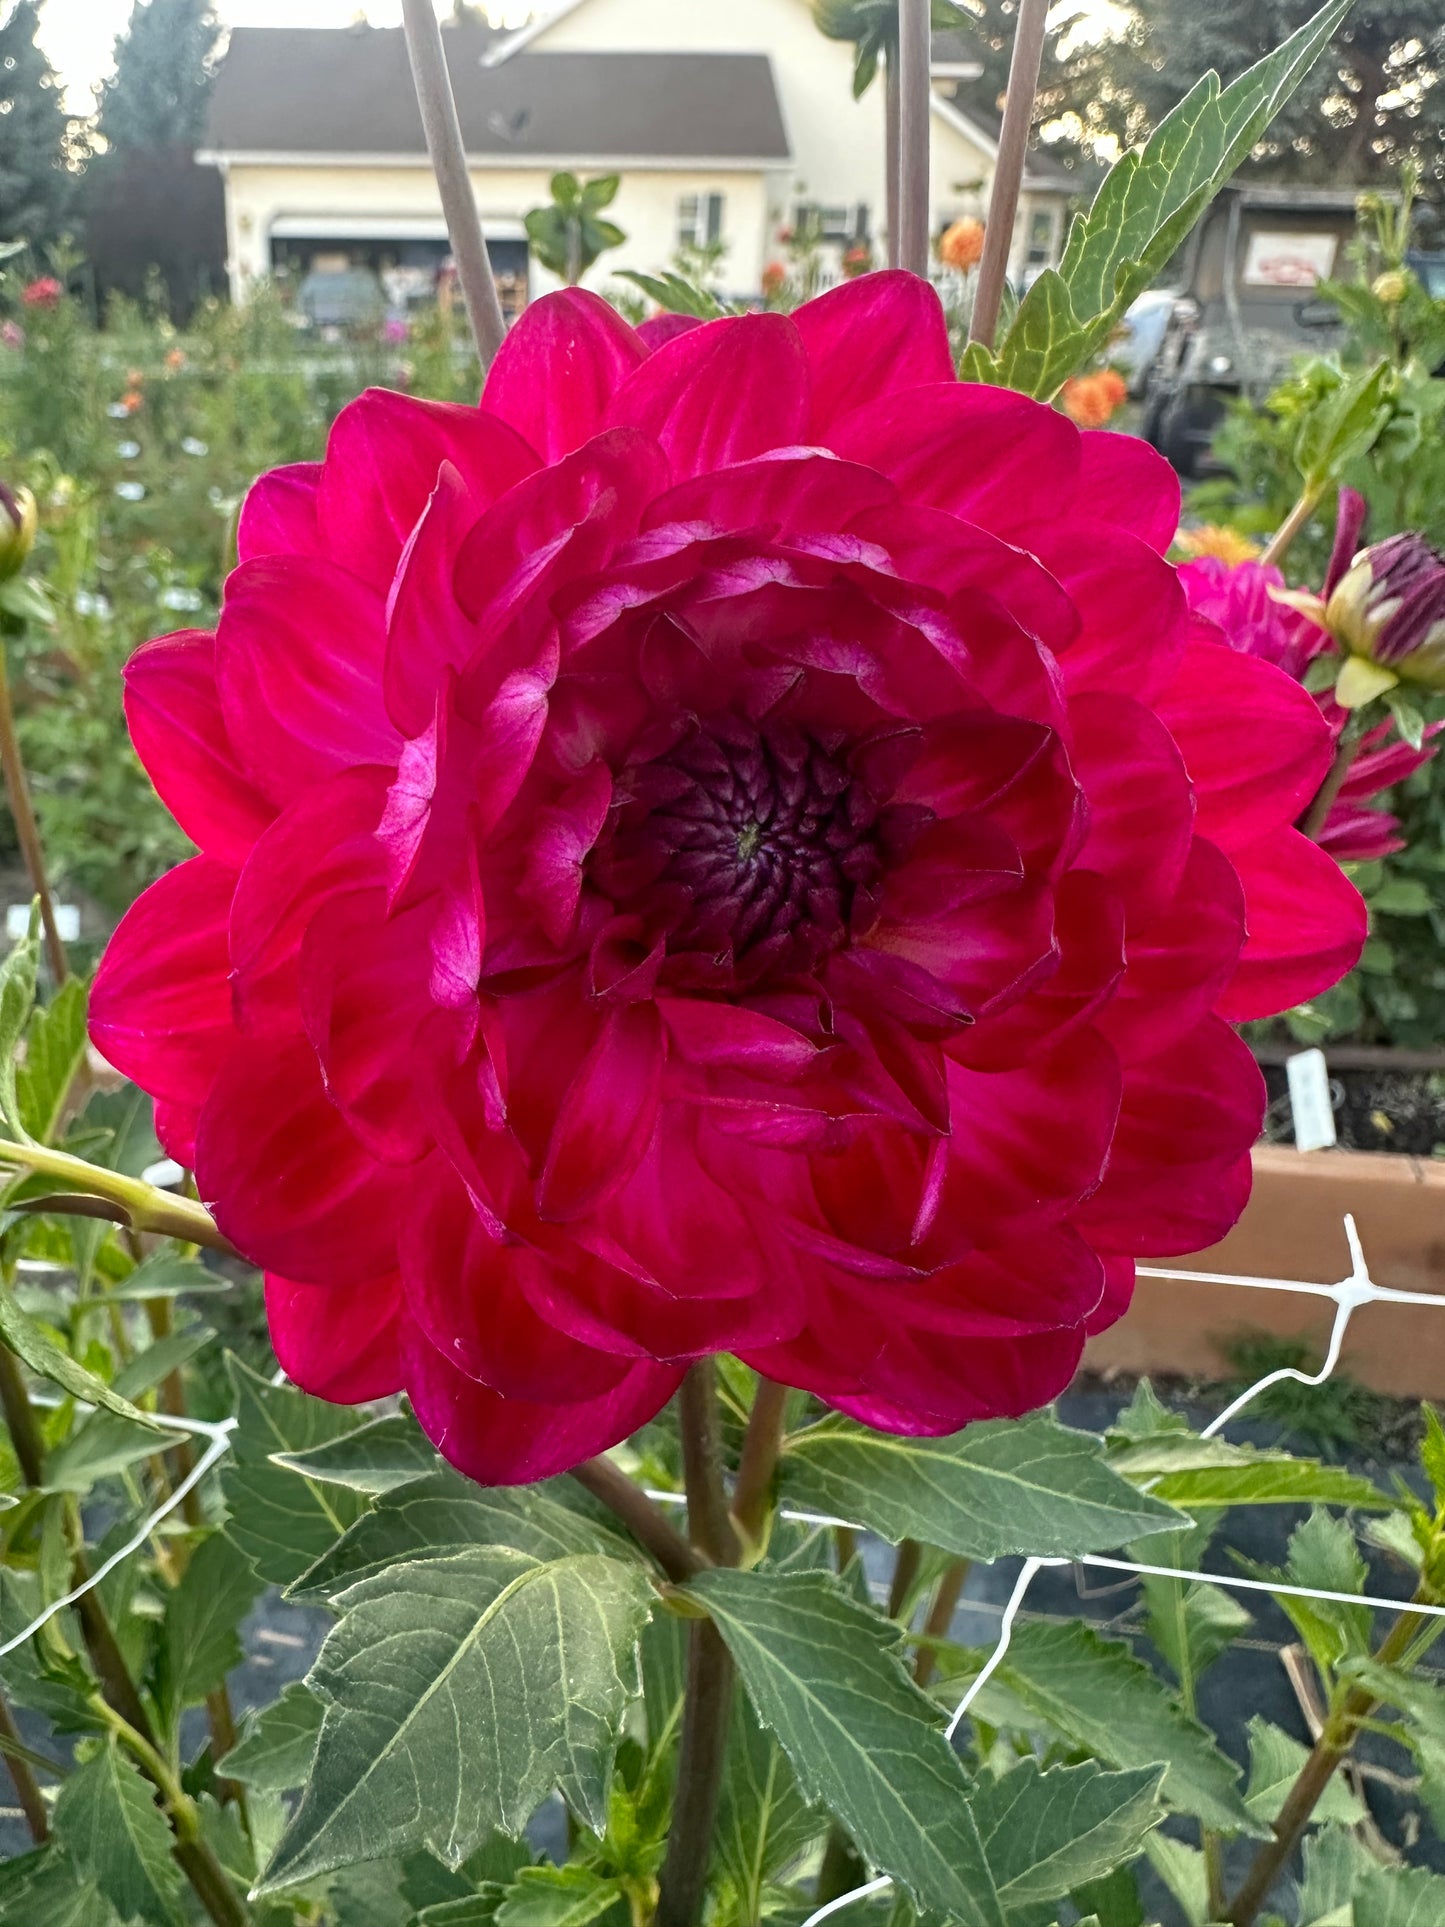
727 123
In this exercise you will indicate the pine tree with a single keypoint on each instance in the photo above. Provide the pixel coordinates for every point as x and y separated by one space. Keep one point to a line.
35 186
163 72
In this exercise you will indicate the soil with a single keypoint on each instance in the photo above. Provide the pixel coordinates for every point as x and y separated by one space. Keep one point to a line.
1376 1109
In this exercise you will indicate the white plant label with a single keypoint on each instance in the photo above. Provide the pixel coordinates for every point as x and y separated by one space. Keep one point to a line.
1309 1100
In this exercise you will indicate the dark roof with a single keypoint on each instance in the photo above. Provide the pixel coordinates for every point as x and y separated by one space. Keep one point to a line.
348 91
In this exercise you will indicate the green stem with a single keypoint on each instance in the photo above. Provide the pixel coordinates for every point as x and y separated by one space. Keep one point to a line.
1327 795
707 1705
905 1573
1283 537
762 1443
646 1521
143 1206
27 831
27 1788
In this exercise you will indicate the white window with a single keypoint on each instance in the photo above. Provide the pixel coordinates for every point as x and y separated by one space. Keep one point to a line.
843 225
1043 237
699 220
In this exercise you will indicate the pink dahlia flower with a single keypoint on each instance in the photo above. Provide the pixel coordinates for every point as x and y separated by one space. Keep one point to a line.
1237 604
732 846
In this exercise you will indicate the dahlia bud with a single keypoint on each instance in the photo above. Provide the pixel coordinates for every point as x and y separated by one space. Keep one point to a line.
1391 287
18 523
1388 613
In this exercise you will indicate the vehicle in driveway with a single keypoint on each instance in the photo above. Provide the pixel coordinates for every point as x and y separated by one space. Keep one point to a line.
1247 306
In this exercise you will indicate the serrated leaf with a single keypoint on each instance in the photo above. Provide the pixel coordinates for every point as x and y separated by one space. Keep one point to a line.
44 1889
376 1458
1334 1860
1189 1471
1007 1485
1432 1450
1323 1557
18 973
1190 1623
283 1523
1045 1833
1113 1901
279 1745
145 1371
467 1910
1400 1897
1045 342
203 1613
165 1274
54 1052
107 1819
1181 1868
1096 1693
674 294
1340 430
763 1821
99 1447
445 1513
559 1897
824 1674
458 1693
33 1344
1275 1760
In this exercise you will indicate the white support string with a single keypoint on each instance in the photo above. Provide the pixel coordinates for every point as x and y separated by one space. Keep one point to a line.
1347 1296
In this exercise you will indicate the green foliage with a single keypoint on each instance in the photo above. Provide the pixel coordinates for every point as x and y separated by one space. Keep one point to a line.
164 66
569 234
35 133
872 26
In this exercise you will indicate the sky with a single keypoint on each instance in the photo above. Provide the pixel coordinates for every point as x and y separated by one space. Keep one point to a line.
78 34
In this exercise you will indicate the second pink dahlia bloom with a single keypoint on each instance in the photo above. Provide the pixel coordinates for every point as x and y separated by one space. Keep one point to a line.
729 846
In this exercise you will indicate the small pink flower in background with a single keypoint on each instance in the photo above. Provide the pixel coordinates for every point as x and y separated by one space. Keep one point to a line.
12 334
774 278
44 292
735 844
1242 602
395 330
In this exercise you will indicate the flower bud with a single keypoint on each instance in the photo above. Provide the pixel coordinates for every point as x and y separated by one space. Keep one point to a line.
1388 613
1391 287
18 523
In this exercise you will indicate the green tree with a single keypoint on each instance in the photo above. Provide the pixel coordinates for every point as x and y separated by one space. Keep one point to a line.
1374 101
35 132
164 67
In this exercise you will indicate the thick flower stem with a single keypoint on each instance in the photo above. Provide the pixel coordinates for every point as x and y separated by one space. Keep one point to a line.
141 1206
27 831
842 1870
644 1520
1328 793
1283 538
762 1442
905 1571
1008 173
707 1705
1330 1749
940 1618
454 182
27 1788
914 91
890 154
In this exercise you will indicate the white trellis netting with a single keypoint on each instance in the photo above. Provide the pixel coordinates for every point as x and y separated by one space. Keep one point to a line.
1351 1292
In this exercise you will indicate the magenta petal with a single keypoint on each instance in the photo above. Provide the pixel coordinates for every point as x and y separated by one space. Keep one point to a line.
1307 925
606 1119
558 369
286 1180
1141 808
382 460
174 715
659 329
1134 619
868 337
512 1441
160 1008
341 1344
278 516
1124 481
731 1038
724 392
1180 961
298 662
1254 743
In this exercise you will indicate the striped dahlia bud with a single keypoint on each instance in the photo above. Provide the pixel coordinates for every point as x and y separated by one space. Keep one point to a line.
1388 614
17 529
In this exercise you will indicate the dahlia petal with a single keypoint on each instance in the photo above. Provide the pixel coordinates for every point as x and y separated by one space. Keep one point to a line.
986 954
427 632
1118 1294
160 1007
1123 480
731 1037
721 393
278 516
1141 807
920 1396
1014 772
781 491
558 369
976 451
1089 932
1178 1171
173 712
512 1441
868 337
606 1119
1307 926
559 846
289 1184
1180 961
1253 741
659 329
341 1344
1134 619
299 657
382 459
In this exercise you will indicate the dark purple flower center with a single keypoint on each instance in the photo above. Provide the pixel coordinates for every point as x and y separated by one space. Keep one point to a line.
758 849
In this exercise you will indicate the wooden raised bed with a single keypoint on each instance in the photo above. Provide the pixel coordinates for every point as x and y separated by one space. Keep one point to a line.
1293 1229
